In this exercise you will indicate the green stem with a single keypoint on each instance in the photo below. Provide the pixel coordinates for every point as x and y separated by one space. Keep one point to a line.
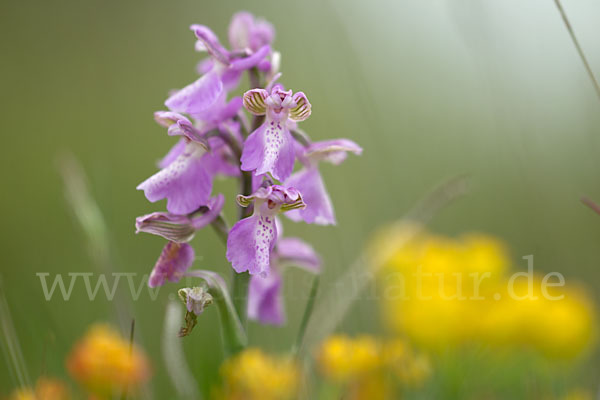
221 228
240 295
242 280
301 137
254 77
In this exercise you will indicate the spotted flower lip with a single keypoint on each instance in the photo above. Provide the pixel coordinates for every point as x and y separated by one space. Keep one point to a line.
174 260
270 148
180 228
251 240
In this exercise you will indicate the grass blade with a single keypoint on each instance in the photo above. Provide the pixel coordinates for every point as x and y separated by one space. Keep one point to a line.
307 314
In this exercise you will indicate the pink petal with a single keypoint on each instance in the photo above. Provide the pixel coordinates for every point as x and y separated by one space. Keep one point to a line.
174 260
319 209
265 300
184 182
197 96
298 253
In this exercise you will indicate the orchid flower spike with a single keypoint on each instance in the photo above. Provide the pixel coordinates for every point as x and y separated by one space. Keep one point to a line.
270 148
251 239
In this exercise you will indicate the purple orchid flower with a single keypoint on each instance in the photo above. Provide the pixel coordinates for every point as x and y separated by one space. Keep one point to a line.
180 228
183 182
265 294
174 260
308 181
270 148
247 35
201 96
251 239
248 32
187 173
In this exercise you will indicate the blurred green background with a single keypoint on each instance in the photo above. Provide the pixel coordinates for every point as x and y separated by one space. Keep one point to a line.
431 89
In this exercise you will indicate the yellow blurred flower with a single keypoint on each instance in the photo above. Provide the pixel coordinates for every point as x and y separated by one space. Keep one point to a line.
429 279
560 328
364 365
45 389
105 364
254 375
342 358
442 292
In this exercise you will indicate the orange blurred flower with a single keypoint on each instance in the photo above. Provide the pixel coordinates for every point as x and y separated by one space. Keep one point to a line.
105 364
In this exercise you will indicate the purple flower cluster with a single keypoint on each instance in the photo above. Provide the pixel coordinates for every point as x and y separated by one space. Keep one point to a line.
214 141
